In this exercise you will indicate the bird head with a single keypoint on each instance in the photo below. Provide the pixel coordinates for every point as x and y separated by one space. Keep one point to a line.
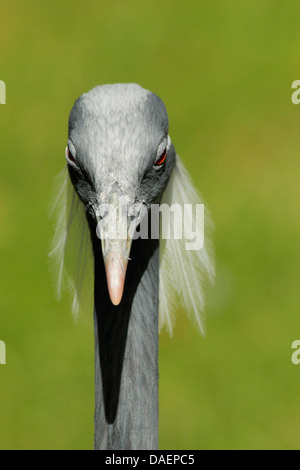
120 159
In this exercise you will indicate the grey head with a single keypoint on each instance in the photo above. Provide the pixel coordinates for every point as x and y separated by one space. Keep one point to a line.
119 149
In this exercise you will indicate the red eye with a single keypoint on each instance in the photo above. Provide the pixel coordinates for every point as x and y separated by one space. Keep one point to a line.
161 159
70 156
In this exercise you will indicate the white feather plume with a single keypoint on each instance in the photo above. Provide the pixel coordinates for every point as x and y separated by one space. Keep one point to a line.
181 271
71 251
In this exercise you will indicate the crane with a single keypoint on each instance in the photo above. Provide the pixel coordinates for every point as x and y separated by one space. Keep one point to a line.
121 164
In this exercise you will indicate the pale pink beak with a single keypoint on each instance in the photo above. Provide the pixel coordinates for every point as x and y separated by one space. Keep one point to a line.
116 244
115 266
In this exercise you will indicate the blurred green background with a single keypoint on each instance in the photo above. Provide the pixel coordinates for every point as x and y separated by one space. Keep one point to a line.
224 70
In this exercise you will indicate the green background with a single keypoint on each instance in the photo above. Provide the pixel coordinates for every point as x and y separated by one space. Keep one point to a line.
224 70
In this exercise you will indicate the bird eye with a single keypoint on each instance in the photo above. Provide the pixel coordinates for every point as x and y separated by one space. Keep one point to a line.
69 155
161 159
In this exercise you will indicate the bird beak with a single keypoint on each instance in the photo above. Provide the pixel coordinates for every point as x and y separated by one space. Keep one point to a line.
116 244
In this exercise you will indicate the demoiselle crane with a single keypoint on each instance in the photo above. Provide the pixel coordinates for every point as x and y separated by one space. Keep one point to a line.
119 150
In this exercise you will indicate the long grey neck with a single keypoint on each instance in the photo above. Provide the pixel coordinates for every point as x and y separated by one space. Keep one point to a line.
126 354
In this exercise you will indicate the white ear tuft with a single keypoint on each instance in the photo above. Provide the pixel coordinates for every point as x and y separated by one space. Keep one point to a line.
182 270
71 251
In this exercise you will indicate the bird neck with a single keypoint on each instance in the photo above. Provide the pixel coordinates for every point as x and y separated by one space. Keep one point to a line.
126 352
